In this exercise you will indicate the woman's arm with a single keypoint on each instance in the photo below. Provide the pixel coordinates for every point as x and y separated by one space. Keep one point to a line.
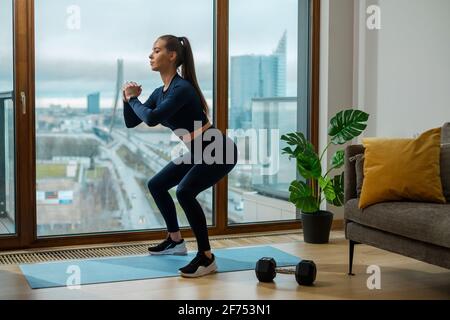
174 101
131 120
130 117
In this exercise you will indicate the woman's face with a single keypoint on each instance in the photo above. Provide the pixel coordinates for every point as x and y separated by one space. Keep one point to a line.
160 58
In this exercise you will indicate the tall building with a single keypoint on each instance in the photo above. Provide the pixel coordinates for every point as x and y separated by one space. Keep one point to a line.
93 103
280 54
255 76
118 93
274 171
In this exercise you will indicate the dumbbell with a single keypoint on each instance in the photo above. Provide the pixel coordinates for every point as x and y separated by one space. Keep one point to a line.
305 272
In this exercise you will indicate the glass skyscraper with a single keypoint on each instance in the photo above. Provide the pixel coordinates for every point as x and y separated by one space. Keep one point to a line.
94 103
255 76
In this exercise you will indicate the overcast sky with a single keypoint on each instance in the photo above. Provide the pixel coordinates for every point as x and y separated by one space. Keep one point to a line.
77 56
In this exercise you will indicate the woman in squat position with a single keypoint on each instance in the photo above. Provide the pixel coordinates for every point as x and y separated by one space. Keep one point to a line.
178 104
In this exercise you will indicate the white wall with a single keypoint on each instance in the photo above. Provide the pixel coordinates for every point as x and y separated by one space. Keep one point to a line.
403 69
336 72
399 74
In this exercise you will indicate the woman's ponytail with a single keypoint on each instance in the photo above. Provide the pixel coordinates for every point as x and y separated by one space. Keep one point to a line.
185 59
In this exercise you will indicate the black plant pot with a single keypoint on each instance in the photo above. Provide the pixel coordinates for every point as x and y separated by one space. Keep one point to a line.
317 226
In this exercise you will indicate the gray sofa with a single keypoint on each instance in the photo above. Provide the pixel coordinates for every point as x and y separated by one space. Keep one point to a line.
414 229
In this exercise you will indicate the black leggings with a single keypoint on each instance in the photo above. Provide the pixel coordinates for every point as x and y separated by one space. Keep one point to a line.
191 178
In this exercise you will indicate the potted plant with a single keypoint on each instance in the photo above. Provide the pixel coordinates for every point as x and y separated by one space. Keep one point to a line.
345 126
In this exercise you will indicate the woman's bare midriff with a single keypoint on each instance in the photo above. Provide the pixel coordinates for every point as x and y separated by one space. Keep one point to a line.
191 136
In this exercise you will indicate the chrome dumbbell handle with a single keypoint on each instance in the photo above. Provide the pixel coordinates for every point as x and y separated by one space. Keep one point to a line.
285 270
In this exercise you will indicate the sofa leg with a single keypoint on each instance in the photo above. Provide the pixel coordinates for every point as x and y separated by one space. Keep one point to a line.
350 262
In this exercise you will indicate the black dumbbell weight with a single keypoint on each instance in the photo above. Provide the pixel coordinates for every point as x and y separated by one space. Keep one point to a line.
305 271
265 269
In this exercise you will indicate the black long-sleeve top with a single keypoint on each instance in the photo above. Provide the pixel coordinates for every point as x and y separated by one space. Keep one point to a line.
176 108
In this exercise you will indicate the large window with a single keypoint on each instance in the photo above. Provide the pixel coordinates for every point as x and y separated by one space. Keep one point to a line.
91 171
268 97
7 143
72 173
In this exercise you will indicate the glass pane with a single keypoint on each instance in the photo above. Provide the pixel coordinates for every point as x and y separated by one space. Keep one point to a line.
7 159
92 171
267 99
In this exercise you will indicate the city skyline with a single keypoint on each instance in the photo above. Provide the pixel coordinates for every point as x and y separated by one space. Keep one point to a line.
70 63
277 58
91 179
256 76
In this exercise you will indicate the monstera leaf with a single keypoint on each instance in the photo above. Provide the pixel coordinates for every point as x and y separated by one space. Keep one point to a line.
295 139
298 140
308 163
338 159
338 186
327 187
347 125
301 196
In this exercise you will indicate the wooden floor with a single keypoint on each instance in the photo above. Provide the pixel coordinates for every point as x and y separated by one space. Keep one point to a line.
401 278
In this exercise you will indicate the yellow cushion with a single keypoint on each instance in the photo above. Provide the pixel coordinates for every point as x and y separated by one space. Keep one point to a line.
402 169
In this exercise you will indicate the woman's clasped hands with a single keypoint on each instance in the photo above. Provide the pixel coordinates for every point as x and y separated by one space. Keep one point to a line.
130 90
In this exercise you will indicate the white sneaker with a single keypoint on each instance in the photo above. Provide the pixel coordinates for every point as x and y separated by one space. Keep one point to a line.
201 265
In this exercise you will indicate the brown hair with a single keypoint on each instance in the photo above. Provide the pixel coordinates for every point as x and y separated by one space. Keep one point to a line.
185 59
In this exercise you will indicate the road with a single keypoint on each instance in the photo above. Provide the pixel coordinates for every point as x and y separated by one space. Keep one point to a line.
157 163
141 215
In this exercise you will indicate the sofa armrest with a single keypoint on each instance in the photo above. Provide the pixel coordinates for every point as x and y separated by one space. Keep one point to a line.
350 172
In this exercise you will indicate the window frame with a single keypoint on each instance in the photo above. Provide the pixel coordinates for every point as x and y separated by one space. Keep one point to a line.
26 228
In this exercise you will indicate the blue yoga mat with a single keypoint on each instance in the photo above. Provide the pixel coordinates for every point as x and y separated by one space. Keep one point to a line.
101 270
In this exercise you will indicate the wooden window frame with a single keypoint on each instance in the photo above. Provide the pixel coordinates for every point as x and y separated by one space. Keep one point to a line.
26 236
